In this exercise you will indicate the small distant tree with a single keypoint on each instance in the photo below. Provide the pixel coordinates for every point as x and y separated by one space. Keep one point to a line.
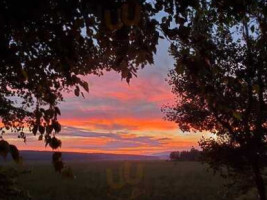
192 155
175 155
195 154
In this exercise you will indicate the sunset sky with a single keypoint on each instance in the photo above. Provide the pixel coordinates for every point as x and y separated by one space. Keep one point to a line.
116 117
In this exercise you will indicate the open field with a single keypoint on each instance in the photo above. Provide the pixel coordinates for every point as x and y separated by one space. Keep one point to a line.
140 180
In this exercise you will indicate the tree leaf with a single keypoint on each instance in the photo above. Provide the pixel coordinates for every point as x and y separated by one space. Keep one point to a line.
57 110
237 115
85 86
57 127
24 73
4 148
256 88
55 143
14 153
35 129
41 129
77 91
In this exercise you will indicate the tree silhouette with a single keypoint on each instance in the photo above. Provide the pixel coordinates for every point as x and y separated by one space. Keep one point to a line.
175 155
220 81
219 76
46 46
192 155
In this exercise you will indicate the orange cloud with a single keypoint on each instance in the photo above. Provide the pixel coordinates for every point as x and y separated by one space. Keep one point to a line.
132 124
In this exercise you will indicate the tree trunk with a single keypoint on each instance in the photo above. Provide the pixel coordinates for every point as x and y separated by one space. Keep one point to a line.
259 182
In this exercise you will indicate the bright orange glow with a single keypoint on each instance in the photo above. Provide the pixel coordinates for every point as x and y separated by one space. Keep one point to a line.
129 123
140 150
116 117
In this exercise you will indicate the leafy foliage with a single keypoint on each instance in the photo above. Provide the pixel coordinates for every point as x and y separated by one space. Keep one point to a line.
6 148
47 46
220 80
219 76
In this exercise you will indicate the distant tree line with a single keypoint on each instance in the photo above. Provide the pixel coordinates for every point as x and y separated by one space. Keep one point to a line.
192 155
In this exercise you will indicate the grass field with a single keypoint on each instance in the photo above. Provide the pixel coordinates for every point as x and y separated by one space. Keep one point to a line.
107 180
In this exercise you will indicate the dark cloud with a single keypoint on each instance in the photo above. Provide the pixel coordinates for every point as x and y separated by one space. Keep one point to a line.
115 140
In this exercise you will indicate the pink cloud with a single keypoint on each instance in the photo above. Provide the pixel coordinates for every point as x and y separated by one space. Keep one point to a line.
112 107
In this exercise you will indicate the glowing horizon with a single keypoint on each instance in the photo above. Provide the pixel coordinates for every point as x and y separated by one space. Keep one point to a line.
119 118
